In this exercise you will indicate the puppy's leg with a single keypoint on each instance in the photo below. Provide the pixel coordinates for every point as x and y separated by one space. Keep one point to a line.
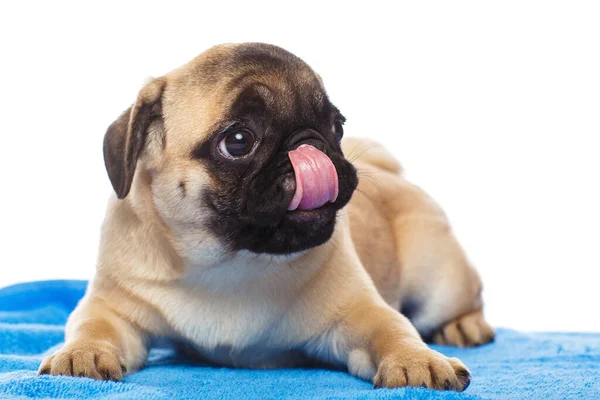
377 343
98 344
440 290
465 331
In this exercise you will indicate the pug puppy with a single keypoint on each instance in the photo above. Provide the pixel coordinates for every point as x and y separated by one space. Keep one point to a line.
237 233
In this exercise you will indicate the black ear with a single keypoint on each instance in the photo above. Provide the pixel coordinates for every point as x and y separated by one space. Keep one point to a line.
125 138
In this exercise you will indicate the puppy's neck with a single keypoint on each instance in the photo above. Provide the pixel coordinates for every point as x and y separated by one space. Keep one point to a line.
259 274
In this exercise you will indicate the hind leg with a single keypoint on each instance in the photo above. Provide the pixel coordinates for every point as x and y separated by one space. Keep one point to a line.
440 290
405 243
465 331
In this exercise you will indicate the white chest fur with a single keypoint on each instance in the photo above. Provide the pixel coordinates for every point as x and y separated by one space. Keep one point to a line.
237 313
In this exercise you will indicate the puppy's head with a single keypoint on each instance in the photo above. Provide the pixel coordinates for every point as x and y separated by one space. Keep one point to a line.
242 145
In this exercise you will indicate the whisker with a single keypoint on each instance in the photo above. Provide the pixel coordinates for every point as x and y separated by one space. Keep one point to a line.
334 244
373 181
268 264
344 214
354 148
364 193
290 265
363 152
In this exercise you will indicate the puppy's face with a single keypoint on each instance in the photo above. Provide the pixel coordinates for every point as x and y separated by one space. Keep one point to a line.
241 144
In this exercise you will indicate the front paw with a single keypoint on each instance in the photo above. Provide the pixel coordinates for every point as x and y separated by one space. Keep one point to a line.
422 368
93 359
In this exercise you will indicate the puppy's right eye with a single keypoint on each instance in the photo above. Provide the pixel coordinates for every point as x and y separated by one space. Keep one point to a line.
237 144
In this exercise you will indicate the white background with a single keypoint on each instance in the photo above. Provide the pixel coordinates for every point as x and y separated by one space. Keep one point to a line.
492 107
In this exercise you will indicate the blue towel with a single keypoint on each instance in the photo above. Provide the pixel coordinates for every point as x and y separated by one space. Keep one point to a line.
516 366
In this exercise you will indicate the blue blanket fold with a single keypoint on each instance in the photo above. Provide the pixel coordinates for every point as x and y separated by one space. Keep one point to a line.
516 366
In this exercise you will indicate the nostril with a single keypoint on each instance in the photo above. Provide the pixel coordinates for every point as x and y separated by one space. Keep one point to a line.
289 184
316 143
306 136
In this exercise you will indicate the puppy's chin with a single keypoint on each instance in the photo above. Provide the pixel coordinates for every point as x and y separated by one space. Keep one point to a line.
298 230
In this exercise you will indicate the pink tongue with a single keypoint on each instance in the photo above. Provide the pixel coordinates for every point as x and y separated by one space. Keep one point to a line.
316 178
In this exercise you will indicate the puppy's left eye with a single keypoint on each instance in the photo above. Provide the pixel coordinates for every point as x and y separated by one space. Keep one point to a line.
237 144
338 128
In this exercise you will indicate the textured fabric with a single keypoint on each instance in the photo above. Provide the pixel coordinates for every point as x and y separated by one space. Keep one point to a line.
516 366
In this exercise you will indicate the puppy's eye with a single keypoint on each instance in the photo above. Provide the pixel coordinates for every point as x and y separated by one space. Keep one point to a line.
237 144
338 129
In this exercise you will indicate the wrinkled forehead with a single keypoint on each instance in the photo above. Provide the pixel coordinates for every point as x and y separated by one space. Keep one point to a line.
235 83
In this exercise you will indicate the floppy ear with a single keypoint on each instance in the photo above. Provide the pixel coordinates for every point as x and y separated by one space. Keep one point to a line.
125 138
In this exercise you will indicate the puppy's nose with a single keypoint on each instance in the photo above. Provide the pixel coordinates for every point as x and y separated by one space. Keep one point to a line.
305 136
